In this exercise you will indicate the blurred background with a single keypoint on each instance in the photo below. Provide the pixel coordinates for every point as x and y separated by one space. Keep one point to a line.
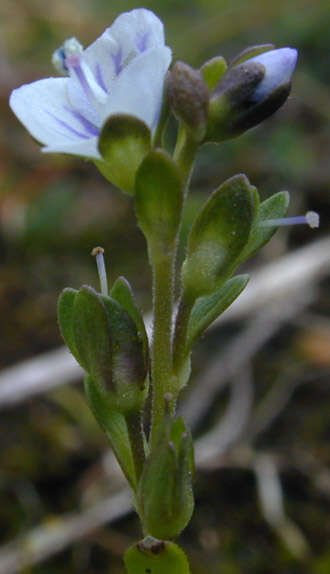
261 412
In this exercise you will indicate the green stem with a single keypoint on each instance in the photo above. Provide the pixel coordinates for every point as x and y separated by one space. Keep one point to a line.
161 353
184 154
163 264
135 434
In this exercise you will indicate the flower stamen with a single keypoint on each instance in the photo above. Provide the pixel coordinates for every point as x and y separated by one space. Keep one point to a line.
70 48
93 92
68 59
98 253
311 218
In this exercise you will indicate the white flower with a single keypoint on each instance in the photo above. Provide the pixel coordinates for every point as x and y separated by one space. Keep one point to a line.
279 67
121 72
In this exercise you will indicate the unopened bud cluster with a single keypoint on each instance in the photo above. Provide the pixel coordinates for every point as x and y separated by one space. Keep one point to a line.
218 103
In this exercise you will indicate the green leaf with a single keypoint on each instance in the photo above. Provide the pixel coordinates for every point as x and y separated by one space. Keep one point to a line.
65 305
122 292
123 143
213 70
207 309
177 429
183 495
108 342
92 336
251 52
274 207
114 425
165 491
129 365
159 197
218 236
156 557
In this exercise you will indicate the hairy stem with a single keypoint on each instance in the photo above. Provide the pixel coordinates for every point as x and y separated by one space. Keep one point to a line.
184 154
163 264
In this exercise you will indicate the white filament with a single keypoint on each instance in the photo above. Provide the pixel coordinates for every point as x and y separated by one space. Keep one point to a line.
98 253
311 218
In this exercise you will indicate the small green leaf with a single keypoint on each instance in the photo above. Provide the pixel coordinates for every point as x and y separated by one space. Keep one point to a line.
177 429
152 556
159 197
165 491
213 70
251 52
207 309
183 495
65 305
129 365
92 336
114 425
109 345
122 292
123 143
218 236
274 207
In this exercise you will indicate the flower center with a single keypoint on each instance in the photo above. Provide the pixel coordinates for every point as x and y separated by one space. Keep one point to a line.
69 59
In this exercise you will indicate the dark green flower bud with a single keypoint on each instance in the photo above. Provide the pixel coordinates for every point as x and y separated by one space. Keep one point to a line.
105 340
253 88
165 494
189 98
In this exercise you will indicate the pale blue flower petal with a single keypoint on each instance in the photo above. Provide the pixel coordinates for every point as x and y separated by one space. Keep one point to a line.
138 31
104 59
86 148
279 67
131 34
122 72
44 109
139 88
85 94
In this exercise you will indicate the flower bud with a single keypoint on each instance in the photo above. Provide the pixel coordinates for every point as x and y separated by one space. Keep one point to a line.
165 492
189 98
252 89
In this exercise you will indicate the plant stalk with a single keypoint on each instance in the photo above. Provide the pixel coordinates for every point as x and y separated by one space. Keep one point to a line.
161 353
